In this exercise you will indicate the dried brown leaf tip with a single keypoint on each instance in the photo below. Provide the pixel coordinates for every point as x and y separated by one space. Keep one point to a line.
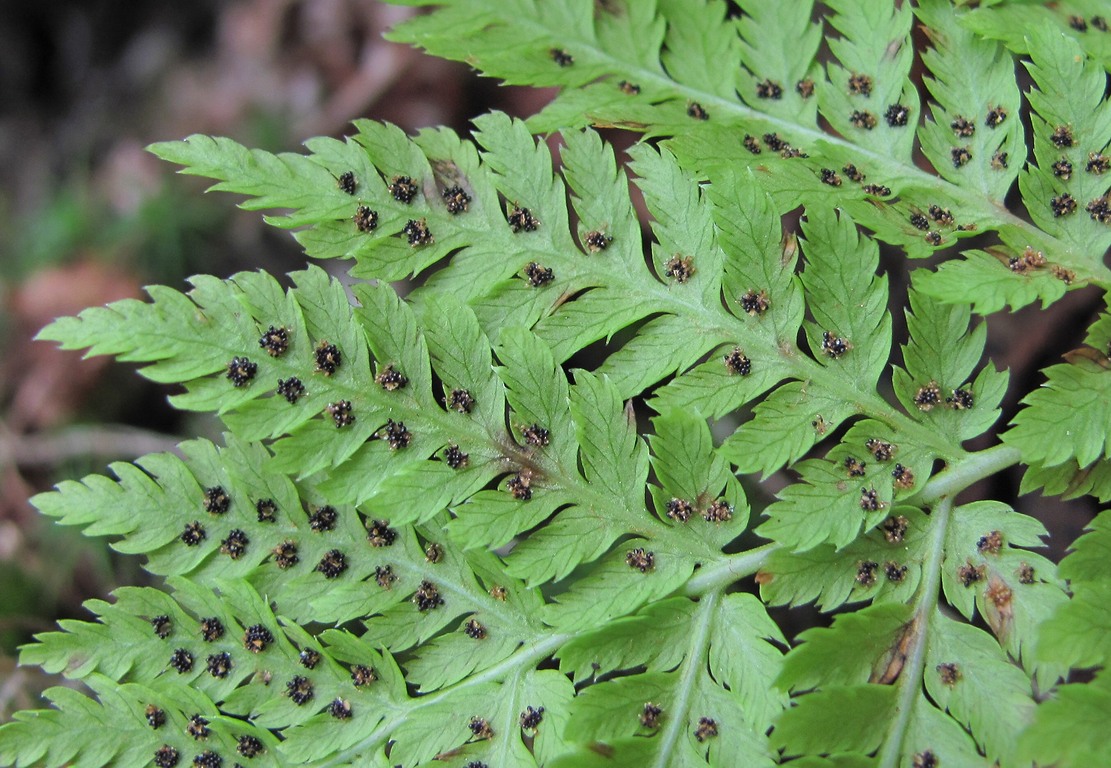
679 268
650 715
737 364
707 729
754 302
596 241
894 529
275 341
854 466
969 574
719 511
403 189
927 396
416 231
903 477
990 543
640 559
365 218
522 220
538 275
866 573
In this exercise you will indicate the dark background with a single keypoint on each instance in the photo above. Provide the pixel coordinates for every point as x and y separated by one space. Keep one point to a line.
88 217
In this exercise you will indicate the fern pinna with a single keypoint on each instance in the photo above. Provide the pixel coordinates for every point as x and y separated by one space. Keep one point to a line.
503 517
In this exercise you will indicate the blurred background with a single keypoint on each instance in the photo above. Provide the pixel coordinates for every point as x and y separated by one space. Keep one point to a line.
88 217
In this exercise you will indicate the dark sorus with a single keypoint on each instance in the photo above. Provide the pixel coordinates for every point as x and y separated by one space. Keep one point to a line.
640 559
854 466
474 630
193 534
480 728
1066 276
805 88
962 127
830 177
340 709
1025 573
249 746
520 485
833 345
990 543
650 715
391 379
918 221
522 220
181 660
397 435
1063 205
208 759
680 510
1062 169
679 268
736 363
536 435
456 199
235 545
881 450
707 729
894 529
860 85
894 572
347 182
417 233
561 57
870 500
379 533
162 625
427 597
216 500
460 400
1100 23
960 156
925 759
240 371
1078 23
454 457
384 576
933 237
866 573
362 675
996 116
1099 210
403 189
697 111
999 160
774 142
256 638
1062 136
365 218
596 241
862 118
434 553
166 756
156 718
961 400
719 511
879 190
327 357
969 574
853 173
754 302
275 341
299 689
949 673
927 396
212 629
291 389
267 510
219 665
285 555
323 519
341 413
897 115
309 658
499 593
941 215
752 144
531 718
1097 163
769 89
904 477
627 88
538 275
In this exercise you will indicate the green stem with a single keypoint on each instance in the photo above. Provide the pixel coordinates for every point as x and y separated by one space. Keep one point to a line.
961 474
724 572
910 679
694 666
